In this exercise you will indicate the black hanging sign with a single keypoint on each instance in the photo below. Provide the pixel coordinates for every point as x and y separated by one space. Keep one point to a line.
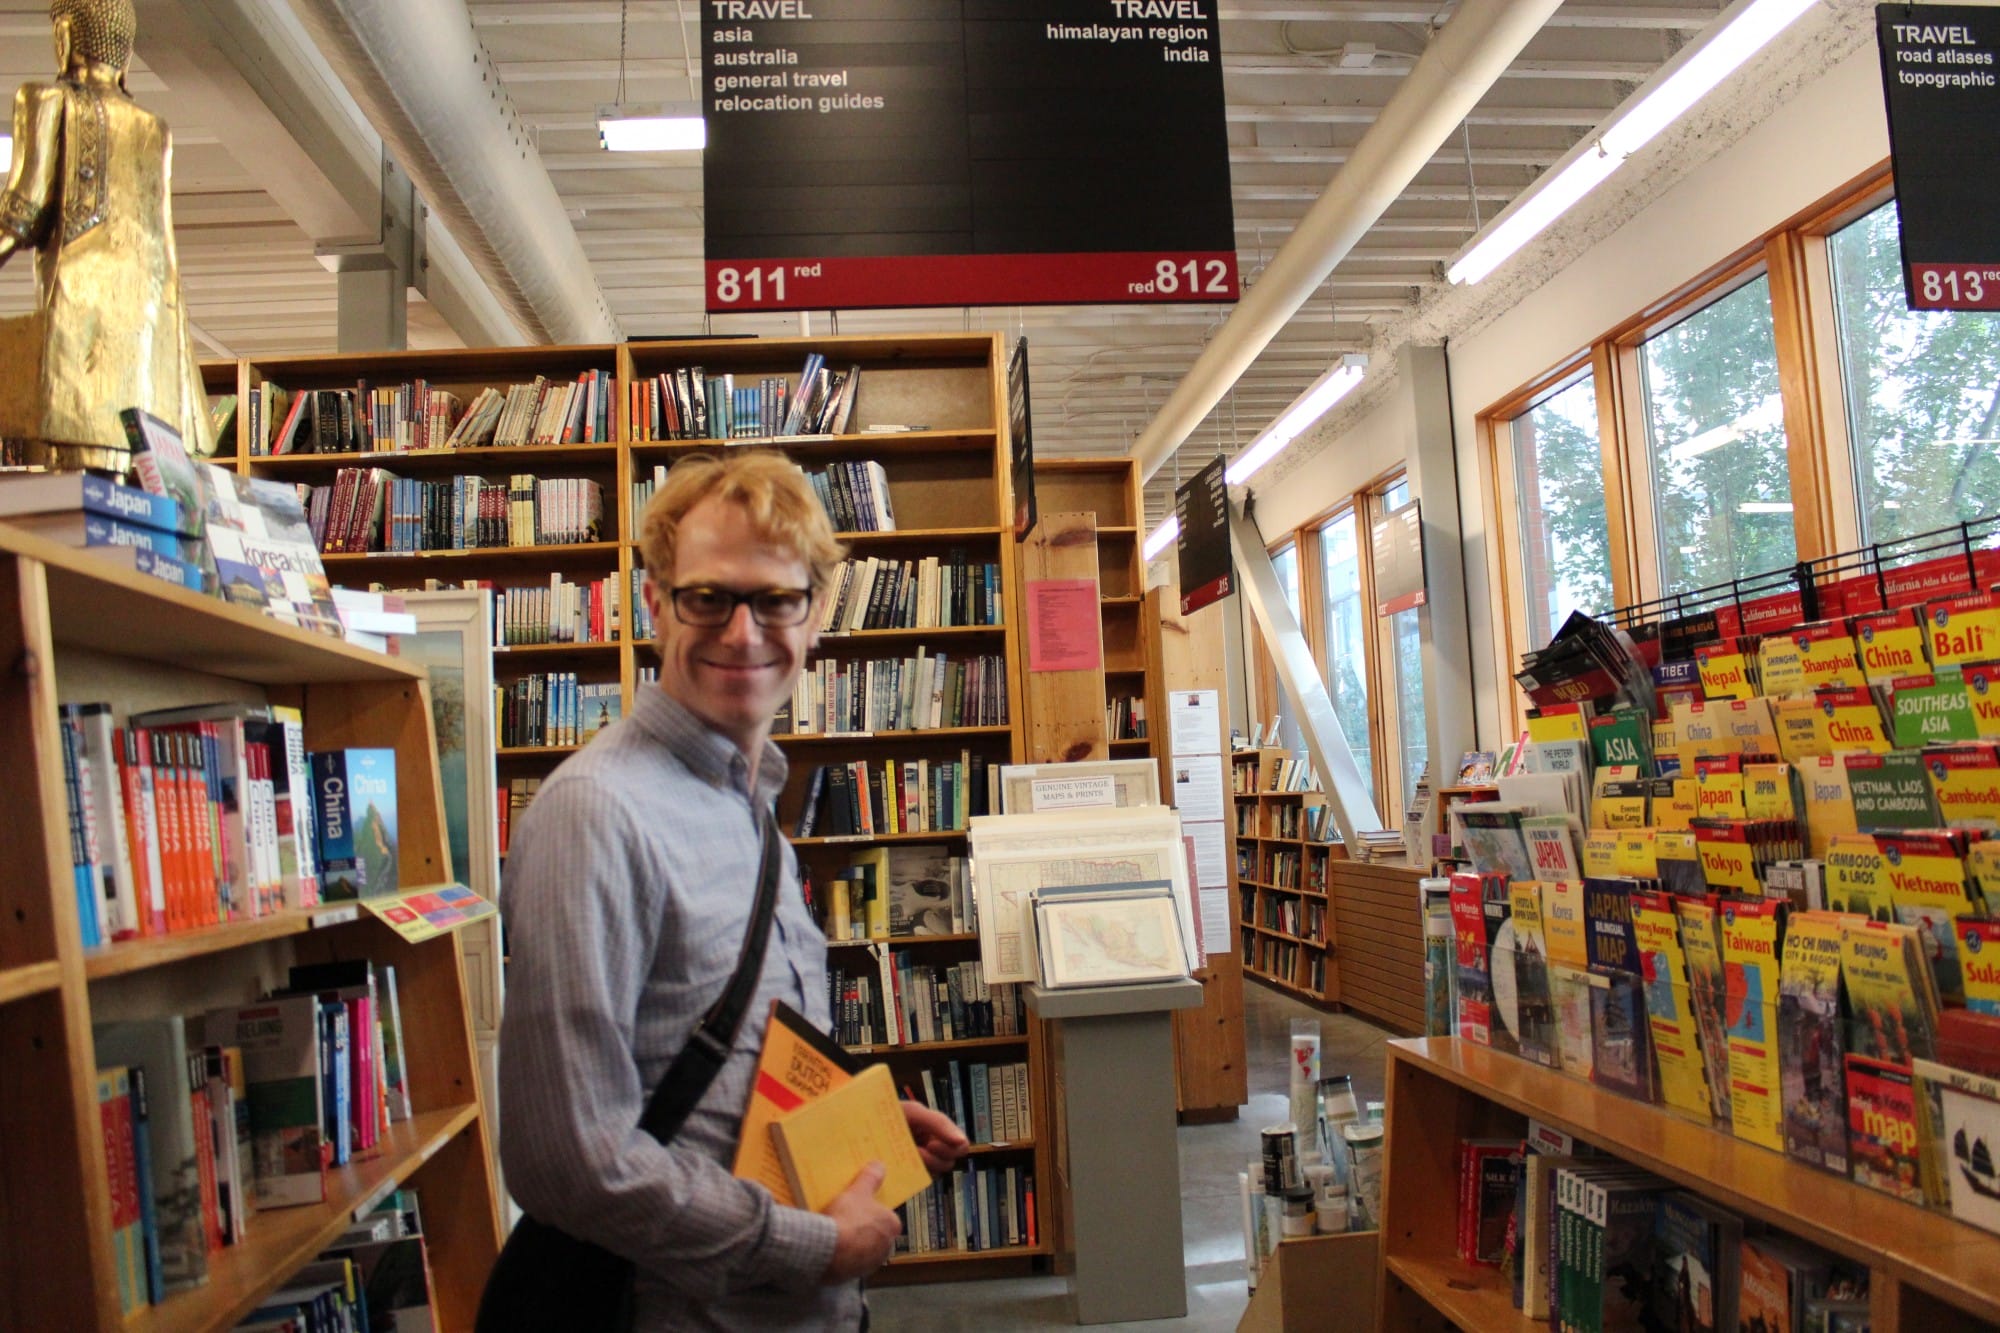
1942 89
1206 564
1398 540
964 152
1020 426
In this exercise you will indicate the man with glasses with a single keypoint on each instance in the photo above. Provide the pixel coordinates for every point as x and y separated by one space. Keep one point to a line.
628 892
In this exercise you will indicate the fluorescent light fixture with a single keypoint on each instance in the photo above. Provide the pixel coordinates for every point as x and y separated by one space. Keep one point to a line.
1163 536
1307 408
662 128
1765 507
1746 28
1769 412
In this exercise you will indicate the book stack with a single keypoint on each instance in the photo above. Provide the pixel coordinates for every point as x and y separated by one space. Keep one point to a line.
855 496
686 403
150 533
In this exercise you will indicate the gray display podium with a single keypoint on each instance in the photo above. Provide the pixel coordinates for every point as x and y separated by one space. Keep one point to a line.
1124 1161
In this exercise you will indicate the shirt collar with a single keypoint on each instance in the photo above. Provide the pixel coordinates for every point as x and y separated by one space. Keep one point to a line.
708 754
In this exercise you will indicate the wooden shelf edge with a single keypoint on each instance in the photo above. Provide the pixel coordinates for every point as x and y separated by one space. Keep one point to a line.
555 649
543 453
849 737
18 983
530 751
280 1240
905 939
152 951
1469 1297
345 559
859 839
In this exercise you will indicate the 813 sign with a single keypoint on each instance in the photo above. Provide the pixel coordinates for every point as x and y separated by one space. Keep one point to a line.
1954 287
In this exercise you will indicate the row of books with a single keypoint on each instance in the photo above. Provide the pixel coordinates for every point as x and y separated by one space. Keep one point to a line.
1597 1246
993 1104
190 817
513 799
151 532
1280 870
687 403
1125 717
242 1110
1291 916
871 797
563 612
893 999
643 491
416 415
924 593
855 495
375 1275
900 892
372 509
974 1208
927 690
551 708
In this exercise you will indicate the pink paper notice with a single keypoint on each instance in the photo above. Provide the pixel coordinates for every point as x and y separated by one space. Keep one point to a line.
1063 629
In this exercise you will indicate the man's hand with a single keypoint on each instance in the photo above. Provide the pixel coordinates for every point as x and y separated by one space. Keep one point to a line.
868 1231
939 1141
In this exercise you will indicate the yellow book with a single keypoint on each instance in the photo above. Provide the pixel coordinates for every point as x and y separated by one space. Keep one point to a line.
1725 672
798 1063
1748 723
877 861
1563 928
825 1143
1963 629
1829 802
1857 878
1750 981
1564 726
1669 1007
1982 688
1827 656
1891 645
1718 789
1798 724
1635 857
1675 802
1779 666
1767 792
1891 994
1600 854
1850 719
1965 780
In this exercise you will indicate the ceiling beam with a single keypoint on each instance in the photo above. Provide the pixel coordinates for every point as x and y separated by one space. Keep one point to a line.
1687 19
1582 117
1397 64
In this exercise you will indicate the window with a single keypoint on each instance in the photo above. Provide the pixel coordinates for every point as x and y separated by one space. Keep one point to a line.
1715 434
1345 663
1922 391
1285 564
1405 665
1559 489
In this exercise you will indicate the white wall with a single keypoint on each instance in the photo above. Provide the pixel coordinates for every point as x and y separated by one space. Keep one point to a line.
1828 132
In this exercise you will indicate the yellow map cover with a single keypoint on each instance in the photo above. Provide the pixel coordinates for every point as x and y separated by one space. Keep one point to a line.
1750 1010
826 1142
1563 928
1857 879
1635 858
1780 665
1797 723
1669 1007
1891 996
1725 672
1850 719
1564 726
1827 656
1719 787
798 1064
1748 723
1675 810
1891 643
1600 854
1965 779
1768 792
1829 802
1701 944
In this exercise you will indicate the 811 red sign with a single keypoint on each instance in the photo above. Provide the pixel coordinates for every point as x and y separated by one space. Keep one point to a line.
1954 287
873 282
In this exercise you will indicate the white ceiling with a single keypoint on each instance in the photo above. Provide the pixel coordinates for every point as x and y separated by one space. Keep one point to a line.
253 190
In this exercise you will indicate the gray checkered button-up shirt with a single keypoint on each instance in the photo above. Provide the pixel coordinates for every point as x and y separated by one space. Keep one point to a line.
629 886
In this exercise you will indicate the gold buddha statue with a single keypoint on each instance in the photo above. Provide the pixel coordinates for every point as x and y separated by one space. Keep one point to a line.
89 192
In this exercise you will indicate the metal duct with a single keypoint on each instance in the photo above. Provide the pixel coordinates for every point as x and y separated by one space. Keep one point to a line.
1463 61
434 95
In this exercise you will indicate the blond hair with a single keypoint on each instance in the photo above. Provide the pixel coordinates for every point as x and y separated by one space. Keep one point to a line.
780 503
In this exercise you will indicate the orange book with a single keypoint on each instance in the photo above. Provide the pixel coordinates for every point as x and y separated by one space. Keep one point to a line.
798 1064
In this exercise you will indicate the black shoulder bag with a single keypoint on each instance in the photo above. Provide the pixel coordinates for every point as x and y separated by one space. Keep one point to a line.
546 1278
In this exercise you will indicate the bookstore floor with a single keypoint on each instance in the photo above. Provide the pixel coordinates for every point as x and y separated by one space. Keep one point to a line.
1211 1155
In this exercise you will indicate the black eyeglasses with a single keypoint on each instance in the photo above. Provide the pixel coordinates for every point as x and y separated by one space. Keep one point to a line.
711 608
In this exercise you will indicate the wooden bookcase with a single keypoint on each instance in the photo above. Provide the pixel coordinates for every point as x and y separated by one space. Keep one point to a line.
1282 880
78 629
1109 488
951 492
1928 1271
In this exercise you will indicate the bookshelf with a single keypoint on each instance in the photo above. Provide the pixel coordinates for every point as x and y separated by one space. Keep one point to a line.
94 631
1285 916
949 488
1927 1270
1109 489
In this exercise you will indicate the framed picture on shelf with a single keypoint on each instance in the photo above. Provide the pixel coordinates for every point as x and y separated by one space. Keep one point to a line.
1086 784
